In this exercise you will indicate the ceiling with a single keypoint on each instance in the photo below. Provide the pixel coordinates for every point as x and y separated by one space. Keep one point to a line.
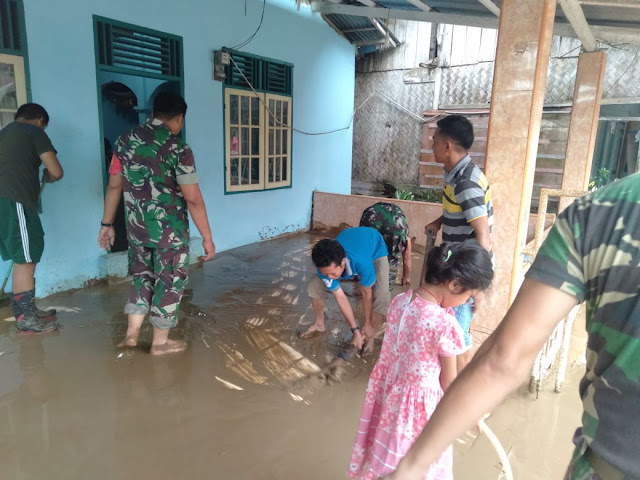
363 22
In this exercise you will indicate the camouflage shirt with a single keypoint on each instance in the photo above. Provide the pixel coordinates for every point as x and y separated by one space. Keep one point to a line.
593 253
154 163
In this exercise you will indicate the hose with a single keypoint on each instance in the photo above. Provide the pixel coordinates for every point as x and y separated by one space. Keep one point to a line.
504 459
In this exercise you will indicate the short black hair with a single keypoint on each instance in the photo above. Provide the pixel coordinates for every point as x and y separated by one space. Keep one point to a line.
168 105
458 129
467 262
32 111
326 252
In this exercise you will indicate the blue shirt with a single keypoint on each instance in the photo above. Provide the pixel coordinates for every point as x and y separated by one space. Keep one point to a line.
362 246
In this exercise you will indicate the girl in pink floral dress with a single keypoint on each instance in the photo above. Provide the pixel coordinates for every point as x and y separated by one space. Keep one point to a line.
417 361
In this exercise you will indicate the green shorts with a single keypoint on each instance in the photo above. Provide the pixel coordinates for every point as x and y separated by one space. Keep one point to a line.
21 234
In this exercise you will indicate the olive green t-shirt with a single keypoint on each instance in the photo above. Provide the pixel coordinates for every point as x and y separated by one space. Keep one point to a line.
21 145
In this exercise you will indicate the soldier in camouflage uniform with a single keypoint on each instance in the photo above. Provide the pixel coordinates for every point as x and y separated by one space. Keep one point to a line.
592 254
156 171
390 221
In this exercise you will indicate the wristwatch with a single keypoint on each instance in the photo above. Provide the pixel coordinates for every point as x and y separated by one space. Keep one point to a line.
353 330
106 224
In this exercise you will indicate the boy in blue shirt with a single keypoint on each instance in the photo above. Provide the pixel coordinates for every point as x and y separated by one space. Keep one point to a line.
356 252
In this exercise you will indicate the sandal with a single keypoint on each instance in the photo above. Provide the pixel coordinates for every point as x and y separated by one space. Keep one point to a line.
310 332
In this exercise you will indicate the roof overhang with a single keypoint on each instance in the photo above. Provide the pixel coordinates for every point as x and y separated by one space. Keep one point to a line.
608 21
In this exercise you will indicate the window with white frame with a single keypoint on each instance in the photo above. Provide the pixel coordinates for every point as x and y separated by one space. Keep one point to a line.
257 101
13 60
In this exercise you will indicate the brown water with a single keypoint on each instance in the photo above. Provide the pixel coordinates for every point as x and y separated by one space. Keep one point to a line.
244 401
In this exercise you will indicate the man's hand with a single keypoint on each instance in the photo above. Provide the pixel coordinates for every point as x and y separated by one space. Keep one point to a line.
54 171
106 237
358 340
435 226
405 280
209 250
368 331
478 300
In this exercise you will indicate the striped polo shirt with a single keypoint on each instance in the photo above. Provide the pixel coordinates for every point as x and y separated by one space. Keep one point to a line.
466 197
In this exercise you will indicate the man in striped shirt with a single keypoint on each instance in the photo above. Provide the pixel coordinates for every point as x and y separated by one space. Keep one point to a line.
466 202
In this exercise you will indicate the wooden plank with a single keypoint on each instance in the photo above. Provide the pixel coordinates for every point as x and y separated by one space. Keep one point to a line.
423 42
549 170
573 11
436 184
483 125
471 154
397 56
488 44
612 3
476 139
546 185
445 38
459 45
549 155
492 7
555 46
411 50
420 4
472 45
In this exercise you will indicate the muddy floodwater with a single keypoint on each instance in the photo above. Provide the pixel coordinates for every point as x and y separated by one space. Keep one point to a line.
243 402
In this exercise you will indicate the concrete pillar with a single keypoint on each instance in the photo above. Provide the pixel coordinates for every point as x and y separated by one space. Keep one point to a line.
583 126
519 82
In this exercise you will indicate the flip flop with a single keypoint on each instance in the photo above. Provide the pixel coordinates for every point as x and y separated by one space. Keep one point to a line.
310 333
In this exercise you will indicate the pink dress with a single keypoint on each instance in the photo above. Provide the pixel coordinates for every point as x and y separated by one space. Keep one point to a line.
404 388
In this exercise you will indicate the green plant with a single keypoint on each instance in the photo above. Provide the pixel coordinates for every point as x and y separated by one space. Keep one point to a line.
600 179
430 195
404 195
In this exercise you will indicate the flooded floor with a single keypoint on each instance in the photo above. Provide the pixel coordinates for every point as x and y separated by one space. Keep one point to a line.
244 401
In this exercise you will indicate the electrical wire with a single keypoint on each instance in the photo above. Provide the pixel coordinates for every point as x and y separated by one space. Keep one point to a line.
278 122
302 132
631 64
248 40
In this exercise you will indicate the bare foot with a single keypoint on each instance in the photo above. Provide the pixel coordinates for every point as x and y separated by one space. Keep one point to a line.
311 332
171 346
128 342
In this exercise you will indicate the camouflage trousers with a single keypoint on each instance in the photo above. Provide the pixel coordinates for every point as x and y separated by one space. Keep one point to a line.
159 278
586 465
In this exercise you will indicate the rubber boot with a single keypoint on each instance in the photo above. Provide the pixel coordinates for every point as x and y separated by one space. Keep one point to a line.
43 313
24 309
